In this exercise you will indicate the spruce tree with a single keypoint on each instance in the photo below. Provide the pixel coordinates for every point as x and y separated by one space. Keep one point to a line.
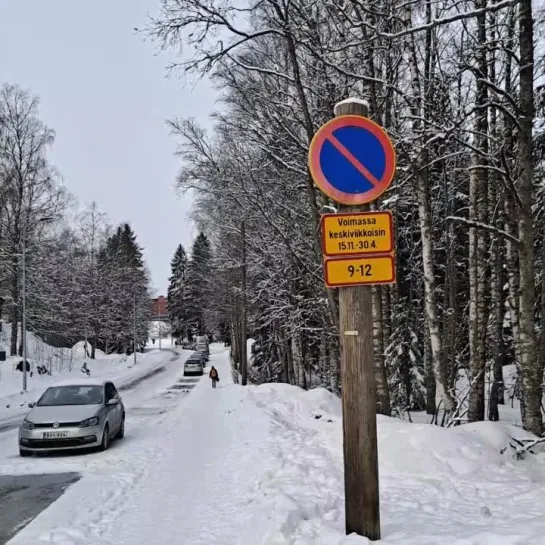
126 281
197 294
176 289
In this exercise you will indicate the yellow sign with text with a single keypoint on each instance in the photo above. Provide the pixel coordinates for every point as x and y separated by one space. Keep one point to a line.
357 271
357 233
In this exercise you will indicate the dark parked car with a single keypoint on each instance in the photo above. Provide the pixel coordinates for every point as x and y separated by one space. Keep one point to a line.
202 355
205 354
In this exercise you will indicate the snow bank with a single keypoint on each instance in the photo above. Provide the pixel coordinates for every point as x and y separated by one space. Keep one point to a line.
78 350
438 486
38 352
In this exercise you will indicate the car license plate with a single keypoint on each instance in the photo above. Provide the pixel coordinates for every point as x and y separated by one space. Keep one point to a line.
55 434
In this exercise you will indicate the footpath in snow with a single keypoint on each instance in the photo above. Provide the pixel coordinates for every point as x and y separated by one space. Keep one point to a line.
263 466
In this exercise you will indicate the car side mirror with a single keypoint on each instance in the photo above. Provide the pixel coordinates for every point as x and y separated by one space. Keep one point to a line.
32 404
112 401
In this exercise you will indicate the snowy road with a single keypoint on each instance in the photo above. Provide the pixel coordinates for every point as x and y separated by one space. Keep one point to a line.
147 401
23 497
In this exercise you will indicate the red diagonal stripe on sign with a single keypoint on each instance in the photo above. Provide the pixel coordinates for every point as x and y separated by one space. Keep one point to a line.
353 160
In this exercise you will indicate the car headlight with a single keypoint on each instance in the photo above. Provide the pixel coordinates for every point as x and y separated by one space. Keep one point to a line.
89 422
27 425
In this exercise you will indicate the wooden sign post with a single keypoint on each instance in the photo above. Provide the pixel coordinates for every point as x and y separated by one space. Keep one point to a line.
352 160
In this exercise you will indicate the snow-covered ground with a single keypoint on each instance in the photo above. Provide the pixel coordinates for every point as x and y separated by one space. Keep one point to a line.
262 465
65 363
509 412
120 369
159 330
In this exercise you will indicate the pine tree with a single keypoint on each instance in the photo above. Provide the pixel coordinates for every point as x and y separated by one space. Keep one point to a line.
196 298
176 290
126 287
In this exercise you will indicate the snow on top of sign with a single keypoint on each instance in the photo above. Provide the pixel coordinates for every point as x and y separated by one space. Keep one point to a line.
351 100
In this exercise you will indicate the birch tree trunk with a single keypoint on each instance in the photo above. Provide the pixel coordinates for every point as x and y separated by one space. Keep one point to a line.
532 371
497 299
511 213
429 378
430 294
423 193
477 242
381 376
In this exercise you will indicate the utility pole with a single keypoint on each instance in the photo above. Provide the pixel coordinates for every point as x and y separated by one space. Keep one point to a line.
243 334
160 332
134 327
23 332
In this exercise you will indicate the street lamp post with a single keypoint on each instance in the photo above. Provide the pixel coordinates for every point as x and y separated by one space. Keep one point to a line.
24 310
134 333
23 290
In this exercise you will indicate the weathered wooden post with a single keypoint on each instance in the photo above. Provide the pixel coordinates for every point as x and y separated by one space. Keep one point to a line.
352 161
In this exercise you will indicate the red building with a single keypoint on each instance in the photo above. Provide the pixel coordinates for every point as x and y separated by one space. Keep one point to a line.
159 307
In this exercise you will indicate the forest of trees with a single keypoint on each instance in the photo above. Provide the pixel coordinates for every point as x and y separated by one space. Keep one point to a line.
454 84
85 278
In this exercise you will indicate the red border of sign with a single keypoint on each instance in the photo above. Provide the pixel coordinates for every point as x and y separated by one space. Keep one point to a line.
314 159
377 212
351 258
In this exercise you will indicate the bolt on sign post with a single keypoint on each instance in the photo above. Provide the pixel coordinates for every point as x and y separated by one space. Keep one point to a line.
352 161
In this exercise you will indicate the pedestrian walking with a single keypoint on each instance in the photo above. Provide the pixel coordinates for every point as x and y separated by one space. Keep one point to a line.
214 376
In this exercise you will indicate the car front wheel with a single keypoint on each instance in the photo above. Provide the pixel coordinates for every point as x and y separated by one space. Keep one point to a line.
105 439
121 432
24 453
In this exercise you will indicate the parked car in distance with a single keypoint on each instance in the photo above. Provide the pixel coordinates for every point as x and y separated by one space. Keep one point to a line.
73 414
194 365
203 355
204 352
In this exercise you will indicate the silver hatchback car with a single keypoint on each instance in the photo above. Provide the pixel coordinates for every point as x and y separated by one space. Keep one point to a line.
73 415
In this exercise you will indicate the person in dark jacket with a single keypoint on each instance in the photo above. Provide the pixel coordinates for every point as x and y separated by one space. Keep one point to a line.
214 376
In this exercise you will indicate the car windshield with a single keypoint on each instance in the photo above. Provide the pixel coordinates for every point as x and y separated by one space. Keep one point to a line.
71 395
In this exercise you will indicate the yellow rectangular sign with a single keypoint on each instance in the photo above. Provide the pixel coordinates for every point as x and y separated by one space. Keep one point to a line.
357 271
357 233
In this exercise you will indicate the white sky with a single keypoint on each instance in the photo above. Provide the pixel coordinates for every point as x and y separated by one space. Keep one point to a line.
104 91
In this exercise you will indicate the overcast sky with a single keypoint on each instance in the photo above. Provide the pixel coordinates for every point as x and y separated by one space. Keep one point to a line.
105 92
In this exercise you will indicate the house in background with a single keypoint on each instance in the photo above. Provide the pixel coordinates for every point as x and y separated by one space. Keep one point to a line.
159 309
